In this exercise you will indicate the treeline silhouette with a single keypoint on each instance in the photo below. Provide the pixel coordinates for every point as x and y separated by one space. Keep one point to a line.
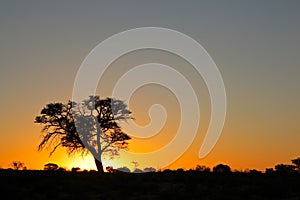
292 168
200 182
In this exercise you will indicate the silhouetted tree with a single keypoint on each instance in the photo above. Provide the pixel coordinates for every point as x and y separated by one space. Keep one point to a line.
254 171
180 170
17 165
51 167
283 168
269 170
167 171
96 129
137 170
296 162
123 169
221 168
149 169
61 169
202 168
75 169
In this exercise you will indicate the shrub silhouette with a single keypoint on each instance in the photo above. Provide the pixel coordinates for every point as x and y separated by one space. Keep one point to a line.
123 169
75 169
149 169
17 165
51 167
221 168
202 168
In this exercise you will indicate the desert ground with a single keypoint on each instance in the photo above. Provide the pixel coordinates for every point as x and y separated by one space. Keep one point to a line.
35 184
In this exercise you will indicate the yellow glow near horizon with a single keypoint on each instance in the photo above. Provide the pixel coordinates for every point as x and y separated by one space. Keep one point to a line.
88 163
85 163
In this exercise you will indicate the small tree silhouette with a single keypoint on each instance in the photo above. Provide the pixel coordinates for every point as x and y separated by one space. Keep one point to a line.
149 169
269 170
202 168
17 165
296 163
51 167
221 168
75 169
123 169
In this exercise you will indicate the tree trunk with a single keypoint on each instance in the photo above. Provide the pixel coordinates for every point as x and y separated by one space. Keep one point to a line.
99 165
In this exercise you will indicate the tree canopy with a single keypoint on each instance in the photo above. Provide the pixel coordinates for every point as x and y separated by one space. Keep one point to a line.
222 168
87 126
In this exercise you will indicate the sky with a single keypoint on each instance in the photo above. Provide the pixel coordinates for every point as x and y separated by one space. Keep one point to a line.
255 45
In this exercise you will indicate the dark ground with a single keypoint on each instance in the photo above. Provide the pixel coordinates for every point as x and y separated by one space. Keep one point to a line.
171 185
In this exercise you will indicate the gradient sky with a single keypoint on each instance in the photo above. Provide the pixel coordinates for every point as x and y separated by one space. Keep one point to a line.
255 44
